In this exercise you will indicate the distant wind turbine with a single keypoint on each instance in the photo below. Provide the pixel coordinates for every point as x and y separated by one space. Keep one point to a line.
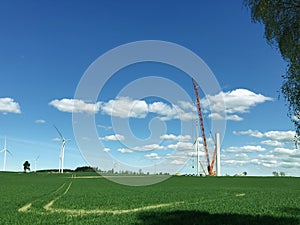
5 150
36 159
62 153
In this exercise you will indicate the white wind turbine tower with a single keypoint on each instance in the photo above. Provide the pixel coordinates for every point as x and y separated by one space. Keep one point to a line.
36 159
62 153
5 151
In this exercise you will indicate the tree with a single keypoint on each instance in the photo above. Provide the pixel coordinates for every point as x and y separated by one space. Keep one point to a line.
26 166
282 174
275 173
282 29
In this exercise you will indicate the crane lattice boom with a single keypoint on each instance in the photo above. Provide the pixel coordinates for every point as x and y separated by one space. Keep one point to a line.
201 125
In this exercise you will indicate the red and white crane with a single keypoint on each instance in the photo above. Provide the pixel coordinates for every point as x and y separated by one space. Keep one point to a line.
210 166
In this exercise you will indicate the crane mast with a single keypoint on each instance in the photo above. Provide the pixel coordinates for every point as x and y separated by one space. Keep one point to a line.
202 126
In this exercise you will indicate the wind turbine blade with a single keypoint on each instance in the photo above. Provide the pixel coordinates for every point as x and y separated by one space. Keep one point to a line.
195 142
9 152
36 159
59 133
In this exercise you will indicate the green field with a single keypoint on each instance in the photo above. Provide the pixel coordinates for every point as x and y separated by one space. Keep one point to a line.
44 198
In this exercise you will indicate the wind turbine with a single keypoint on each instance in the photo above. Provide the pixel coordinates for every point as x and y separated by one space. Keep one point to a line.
62 153
5 151
36 159
196 144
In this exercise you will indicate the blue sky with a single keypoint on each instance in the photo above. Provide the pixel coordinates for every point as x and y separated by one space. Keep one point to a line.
46 47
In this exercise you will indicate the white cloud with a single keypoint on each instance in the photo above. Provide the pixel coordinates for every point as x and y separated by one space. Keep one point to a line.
106 149
279 158
285 136
246 149
181 146
152 156
8 105
194 153
149 147
296 154
238 159
272 143
187 106
172 137
236 101
279 136
40 121
169 112
234 162
56 139
218 116
283 151
113 137
252 133
144 148
124 150
125 107
75 106
105 127
234 117
177 162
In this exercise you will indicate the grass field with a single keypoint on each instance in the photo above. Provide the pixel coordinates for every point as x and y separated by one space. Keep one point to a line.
71 199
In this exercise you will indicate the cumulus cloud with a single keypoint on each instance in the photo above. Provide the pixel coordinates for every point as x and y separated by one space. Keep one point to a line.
277 159
56 139
272 143
246 149
181 146
283 151
8 105
187 106
113 137
169 112
285 136
252 133
75 106
40 121
124 150
152 156
106 149
105 127
236 101
178 162
275 138
172 137
218 116
125 107
149 147
143 148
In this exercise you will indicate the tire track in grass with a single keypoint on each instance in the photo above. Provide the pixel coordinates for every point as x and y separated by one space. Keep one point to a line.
48 208
109 211
27 206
